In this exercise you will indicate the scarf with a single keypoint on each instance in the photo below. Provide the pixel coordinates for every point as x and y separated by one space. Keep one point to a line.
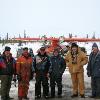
74 57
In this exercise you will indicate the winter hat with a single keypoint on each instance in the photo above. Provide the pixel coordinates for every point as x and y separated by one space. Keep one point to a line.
95 45
56 49
7 48
74 45
42 48
25 48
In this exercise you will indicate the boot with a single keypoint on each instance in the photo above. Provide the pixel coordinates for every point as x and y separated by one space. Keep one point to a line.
93 95
82 96
19 98
3 98
74 95
38 97
9 98
26 98
46 96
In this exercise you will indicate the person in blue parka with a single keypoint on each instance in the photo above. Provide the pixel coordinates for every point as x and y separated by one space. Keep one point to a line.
56 71
93 71
7 69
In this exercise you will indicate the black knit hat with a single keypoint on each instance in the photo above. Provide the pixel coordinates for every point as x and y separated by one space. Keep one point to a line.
74 45
94 45
56 49
7 48
42 48
25 48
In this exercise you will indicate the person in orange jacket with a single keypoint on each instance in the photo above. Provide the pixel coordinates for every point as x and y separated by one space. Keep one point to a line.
23 69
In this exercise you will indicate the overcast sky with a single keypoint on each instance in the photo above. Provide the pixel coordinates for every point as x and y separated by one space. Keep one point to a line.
54 17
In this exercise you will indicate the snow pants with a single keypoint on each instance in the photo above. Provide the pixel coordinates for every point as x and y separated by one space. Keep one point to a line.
23 87
44 81
95 85
53 81
5 86
78 83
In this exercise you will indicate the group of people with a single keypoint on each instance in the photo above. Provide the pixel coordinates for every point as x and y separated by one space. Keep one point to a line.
44 67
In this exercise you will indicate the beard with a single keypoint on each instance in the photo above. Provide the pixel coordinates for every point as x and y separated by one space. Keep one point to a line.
26 55
74 57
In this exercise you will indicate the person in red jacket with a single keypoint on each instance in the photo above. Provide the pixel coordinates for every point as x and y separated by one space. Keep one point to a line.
7 70
23 69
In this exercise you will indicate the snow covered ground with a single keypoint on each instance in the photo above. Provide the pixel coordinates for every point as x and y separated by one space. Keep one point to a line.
67 85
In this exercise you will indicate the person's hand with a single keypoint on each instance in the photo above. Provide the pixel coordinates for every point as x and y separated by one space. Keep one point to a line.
48 75
2 65
34 74
88 74
19 77
14 78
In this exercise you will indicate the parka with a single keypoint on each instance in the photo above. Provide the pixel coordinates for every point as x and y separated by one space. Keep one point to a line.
41 64
7 66
93 69
58 65
81 59
24 66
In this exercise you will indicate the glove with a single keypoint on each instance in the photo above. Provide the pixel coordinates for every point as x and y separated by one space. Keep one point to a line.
19 77
88 73
15 79
31 76
34 74
48 75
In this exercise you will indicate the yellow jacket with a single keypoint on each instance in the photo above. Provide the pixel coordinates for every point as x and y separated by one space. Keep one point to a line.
81 60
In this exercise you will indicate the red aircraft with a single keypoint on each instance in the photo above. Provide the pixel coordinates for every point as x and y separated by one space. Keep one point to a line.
55 41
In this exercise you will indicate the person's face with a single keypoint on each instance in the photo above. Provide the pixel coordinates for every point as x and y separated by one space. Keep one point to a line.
56 53
7 53
25 52
95 49
74 49
42 52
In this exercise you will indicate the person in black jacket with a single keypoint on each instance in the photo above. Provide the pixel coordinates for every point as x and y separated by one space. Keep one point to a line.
56 70
93 71
7 69
41 66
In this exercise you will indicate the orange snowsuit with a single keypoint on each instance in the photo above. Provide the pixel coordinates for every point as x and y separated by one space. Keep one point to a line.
77 71
23 68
